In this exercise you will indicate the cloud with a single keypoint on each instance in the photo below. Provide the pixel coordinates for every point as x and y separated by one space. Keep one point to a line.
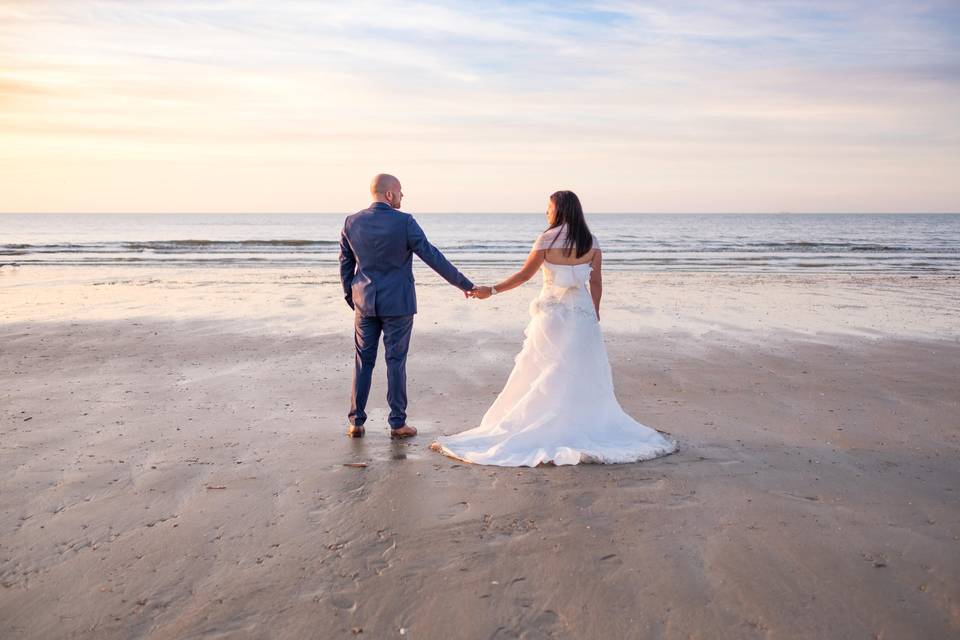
13 89
552 84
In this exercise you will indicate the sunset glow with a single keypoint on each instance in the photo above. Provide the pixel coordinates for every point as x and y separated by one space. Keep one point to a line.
287 106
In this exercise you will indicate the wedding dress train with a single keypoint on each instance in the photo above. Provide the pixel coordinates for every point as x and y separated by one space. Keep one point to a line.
558 404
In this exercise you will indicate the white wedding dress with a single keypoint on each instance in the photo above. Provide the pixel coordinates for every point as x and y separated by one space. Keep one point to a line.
558 404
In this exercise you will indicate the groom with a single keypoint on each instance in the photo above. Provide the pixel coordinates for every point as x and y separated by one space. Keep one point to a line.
376 269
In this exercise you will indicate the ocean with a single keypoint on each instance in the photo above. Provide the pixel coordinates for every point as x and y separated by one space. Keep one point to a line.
647 242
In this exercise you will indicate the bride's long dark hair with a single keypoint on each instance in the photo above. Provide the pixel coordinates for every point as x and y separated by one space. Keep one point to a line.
570 213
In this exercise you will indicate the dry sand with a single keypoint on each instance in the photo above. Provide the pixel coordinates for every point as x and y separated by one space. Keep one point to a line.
172 469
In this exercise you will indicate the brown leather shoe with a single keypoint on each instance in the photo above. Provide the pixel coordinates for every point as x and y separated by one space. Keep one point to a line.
406 431
355 431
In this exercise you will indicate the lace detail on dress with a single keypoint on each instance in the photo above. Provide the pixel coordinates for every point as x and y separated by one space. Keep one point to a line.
565 288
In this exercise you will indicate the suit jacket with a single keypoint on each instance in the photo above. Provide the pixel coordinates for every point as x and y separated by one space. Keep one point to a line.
376 261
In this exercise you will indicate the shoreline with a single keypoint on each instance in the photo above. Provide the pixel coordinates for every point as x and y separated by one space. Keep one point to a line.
309 301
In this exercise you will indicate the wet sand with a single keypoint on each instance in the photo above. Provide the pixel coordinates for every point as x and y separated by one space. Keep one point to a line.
174 473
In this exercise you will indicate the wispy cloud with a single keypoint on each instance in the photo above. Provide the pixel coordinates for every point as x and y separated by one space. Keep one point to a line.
658 105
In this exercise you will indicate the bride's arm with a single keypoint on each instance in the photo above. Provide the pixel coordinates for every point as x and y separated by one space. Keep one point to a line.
527 271
596 281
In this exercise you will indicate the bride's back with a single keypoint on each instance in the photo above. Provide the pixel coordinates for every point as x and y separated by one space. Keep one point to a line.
560 256
554 243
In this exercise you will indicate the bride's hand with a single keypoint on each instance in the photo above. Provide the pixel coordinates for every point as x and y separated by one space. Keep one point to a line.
482 293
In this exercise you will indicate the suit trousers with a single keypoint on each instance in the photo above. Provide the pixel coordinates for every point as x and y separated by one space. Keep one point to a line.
396 332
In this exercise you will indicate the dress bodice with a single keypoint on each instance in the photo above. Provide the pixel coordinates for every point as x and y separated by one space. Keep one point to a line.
566 276
565 290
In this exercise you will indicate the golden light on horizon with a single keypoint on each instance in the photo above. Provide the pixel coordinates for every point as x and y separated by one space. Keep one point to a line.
221 107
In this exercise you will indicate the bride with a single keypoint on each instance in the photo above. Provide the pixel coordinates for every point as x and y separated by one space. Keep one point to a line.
558 405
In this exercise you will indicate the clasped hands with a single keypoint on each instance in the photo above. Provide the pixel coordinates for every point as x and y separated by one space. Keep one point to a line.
480 293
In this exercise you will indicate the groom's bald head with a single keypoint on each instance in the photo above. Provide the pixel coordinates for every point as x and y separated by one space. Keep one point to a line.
386 188
382 183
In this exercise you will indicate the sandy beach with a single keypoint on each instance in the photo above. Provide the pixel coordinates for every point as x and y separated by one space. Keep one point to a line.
172 464
768 189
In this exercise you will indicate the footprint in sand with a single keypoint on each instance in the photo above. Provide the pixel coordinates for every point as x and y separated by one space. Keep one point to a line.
543 625
454 510
343 601
377 566
797 496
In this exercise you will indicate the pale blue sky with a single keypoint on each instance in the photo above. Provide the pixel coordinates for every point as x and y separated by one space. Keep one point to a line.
237 105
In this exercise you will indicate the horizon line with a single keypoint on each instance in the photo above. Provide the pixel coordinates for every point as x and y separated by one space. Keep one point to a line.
494 213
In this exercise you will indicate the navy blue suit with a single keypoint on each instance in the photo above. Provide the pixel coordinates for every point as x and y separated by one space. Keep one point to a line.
376 269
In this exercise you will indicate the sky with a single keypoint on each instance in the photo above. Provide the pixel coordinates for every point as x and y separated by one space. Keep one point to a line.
663 106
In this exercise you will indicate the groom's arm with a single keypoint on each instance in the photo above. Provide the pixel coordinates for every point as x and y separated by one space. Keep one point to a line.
348 265
418 243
